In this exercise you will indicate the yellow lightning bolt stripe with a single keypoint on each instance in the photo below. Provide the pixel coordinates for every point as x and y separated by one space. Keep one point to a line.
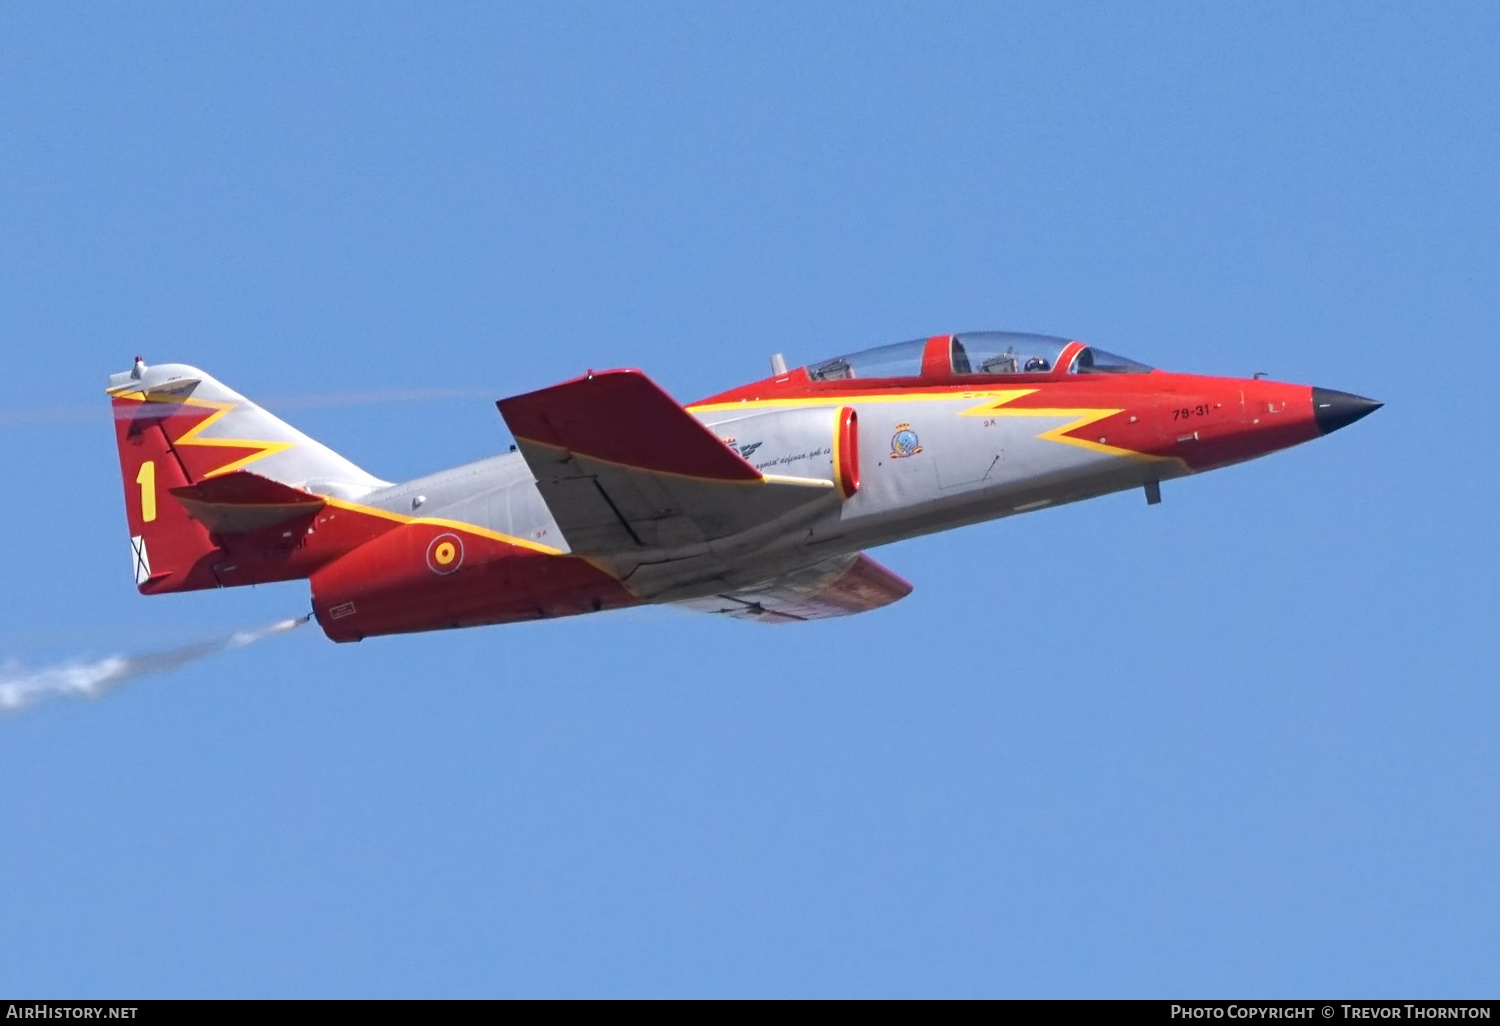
1082 418
456 525
191 435
484 532
842 399
991 406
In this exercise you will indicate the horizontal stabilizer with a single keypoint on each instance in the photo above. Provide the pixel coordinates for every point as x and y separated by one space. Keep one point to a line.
240 502
623 468
839 587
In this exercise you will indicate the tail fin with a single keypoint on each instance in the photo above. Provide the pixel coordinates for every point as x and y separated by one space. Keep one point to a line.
177 428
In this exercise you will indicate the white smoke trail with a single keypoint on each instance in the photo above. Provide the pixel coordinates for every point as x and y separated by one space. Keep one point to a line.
21 688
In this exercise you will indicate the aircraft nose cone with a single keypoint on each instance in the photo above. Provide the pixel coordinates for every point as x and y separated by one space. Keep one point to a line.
1334 410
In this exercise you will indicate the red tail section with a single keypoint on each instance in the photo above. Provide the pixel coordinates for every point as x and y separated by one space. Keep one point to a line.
197 518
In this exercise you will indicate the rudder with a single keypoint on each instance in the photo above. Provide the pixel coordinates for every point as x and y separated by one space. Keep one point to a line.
169 550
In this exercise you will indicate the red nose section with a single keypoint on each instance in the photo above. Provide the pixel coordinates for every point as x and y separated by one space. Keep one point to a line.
1212 422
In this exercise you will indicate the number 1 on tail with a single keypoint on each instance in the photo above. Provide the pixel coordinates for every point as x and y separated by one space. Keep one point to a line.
147 480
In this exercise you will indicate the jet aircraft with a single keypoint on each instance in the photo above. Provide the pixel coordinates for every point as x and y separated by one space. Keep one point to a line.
756 503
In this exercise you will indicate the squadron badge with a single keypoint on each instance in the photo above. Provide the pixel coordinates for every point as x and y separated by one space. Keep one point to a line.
904 442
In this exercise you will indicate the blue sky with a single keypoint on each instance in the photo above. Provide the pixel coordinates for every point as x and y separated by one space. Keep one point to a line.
1241 743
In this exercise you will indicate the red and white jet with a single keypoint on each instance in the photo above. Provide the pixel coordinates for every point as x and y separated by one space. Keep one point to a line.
756 503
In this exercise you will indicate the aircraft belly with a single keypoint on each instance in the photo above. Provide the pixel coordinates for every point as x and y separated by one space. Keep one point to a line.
954 469
925 466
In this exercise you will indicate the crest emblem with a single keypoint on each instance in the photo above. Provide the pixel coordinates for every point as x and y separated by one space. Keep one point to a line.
904 442
744 450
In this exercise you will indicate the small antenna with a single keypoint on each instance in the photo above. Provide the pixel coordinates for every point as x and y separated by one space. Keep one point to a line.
778 364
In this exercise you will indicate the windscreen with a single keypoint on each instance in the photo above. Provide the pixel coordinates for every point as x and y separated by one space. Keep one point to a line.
1097 361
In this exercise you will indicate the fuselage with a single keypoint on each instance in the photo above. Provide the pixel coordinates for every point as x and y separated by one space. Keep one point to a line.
617 496
937 451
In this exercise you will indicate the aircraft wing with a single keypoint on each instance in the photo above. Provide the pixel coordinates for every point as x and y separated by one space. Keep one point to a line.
623 468
838 587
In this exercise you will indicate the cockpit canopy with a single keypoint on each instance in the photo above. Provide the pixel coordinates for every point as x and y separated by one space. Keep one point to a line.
978 353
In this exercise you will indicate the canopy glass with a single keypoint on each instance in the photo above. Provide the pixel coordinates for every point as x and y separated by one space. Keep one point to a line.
977 353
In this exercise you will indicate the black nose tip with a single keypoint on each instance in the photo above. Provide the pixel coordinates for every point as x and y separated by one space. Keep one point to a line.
1340 409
